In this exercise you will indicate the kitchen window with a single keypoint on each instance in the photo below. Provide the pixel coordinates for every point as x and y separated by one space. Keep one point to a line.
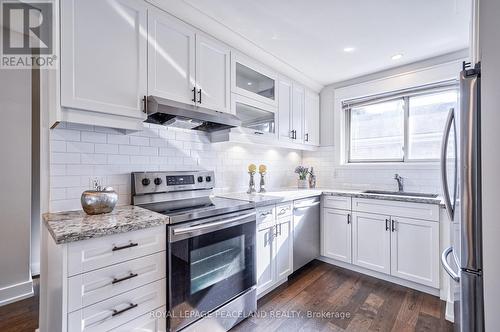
405 126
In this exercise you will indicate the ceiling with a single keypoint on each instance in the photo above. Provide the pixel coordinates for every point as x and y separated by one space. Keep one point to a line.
310 35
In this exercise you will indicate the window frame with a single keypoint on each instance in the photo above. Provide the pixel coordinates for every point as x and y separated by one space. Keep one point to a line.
405 97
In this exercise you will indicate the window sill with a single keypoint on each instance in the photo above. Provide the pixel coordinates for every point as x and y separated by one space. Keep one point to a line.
393 165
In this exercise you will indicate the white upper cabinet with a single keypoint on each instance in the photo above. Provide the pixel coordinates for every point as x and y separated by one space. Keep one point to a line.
171 57
103 56
284 109
213 63
298 96
371 241
311 118
415 250
253 80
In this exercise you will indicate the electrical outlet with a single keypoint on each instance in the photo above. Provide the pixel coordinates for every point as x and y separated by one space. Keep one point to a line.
96 182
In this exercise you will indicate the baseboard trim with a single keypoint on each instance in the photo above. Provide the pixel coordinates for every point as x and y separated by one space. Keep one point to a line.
378 275
16 292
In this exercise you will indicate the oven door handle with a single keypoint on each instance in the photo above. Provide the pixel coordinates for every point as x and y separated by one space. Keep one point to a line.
211 225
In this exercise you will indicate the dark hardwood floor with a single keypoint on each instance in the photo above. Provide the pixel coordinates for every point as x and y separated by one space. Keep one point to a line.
21 316
355 302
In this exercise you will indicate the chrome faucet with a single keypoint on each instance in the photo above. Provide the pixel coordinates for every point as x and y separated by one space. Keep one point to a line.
400 181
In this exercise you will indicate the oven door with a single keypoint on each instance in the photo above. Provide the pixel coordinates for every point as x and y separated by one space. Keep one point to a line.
210 262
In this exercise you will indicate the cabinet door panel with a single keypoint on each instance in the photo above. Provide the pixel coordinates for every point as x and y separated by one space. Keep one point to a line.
285 91
213 63
311 119
371 242
415 251
336 235
298 112
103 56
171 57
265 262
284 248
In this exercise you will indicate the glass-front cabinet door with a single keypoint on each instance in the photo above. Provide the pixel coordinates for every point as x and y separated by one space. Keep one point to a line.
253 80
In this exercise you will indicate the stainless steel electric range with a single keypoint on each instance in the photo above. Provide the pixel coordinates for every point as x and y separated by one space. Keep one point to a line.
211 263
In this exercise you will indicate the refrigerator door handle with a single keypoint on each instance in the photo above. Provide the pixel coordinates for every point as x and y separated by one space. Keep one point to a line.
444 173
446 265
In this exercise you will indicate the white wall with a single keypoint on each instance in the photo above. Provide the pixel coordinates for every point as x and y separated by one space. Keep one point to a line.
80 152
330 160
489 12
15 196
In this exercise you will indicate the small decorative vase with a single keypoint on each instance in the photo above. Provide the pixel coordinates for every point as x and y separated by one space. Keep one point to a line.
99 201
262 185
302 184
251 184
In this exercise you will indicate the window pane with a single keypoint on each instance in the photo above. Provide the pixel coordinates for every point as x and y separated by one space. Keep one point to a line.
377 132
427 118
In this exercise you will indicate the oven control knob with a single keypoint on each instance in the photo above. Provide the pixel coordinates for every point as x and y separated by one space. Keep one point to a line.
146 182
208 178
200 178
158 181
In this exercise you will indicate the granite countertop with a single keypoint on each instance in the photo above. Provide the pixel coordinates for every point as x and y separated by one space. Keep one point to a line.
74 226
291 194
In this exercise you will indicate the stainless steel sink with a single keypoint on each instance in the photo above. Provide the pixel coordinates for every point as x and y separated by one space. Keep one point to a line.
399 193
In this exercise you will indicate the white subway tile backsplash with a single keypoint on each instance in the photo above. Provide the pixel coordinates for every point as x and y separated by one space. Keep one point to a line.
65 135
106 148
57 146
129 149
118 139
137 140
118 159
64 181
64 158
94 137
79 147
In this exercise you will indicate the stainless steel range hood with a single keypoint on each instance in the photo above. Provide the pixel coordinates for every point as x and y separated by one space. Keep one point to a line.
172 113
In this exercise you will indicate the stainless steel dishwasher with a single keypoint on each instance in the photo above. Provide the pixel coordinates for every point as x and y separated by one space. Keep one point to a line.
306 240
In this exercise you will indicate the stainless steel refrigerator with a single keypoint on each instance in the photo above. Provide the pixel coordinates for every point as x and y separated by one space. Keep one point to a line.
461 177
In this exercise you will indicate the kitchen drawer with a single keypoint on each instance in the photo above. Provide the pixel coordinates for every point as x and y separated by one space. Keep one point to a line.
94 254
395 208
337 202
150 322
266 216
91 287
99 317
284 210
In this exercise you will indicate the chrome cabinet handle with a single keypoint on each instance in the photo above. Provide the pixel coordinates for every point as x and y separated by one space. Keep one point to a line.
446 266
282 212
145 106
387 224
306 137
393 228
132 244
348 218
199 96
130 276
194 95
444 175
118 312
263 214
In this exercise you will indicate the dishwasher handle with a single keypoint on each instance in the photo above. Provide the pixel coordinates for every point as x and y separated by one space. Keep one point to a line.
306 206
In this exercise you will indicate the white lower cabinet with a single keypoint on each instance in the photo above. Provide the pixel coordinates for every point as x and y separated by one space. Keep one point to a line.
284 248
265 253
151 322
414 244
386 241
371 242
336 234
274 249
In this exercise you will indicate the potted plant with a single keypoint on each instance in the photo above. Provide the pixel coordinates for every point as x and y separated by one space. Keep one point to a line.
302 172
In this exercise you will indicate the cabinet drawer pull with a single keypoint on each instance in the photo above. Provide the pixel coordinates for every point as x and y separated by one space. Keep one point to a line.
130 276
263 214
306 137
132 244
118 312
393 225
387 224
282 212
194 95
